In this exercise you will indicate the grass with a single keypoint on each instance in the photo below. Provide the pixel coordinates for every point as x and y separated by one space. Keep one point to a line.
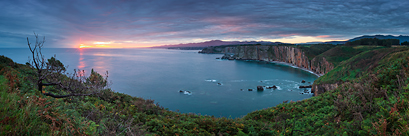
357 65
341 53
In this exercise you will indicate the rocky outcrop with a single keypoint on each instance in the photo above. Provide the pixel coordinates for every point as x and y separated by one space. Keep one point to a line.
260 88
305 86
320 65
322 88
287 54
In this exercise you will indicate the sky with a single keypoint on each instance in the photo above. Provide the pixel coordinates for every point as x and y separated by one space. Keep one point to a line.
144 23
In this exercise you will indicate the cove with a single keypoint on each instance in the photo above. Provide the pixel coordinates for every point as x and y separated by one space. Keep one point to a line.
160 74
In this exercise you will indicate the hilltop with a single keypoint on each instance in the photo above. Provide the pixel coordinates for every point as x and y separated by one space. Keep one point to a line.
400 37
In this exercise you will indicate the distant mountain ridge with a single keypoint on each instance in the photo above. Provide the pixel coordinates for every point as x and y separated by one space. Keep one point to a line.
220 42
217 43
400 37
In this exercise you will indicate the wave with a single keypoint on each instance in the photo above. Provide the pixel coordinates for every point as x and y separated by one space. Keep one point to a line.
238 80
211 80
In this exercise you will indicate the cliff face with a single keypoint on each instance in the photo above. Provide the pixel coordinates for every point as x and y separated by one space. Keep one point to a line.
288 54
322 88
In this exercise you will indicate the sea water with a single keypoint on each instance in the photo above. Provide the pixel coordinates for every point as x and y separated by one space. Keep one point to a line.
209 86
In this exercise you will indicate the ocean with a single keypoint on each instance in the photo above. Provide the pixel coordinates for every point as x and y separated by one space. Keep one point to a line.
209 86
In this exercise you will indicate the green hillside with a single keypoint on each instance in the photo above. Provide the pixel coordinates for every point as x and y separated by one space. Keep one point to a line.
373 99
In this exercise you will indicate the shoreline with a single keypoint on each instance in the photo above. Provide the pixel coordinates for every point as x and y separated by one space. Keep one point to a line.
294 66
277 62
284 63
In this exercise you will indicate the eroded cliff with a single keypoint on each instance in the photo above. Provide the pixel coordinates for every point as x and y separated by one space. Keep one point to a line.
287 54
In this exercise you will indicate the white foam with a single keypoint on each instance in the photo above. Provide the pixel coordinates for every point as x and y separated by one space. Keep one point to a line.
294 66
290 81
296 86
237 80
211 80
187 93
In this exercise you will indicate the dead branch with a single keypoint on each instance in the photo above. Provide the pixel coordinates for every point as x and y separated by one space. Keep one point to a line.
52 72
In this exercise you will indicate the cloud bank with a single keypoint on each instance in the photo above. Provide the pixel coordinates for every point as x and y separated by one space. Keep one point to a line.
156 22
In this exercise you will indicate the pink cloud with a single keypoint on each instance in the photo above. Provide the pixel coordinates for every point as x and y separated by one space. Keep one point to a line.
323 36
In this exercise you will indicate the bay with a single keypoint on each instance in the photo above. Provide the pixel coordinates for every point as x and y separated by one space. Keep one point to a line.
218 87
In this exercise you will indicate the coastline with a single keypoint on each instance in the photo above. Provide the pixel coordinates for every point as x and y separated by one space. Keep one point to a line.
282 63
294 66
232 57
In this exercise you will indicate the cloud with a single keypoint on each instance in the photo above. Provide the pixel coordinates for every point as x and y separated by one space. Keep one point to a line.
70 23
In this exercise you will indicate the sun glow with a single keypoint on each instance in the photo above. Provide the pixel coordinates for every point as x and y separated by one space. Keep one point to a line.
84 46
99 45
102 42
113 44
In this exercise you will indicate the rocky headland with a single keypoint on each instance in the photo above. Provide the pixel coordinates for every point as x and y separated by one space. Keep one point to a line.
282 54
287 54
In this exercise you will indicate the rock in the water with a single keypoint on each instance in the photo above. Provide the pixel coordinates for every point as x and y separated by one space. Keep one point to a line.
185 92
272 87
303 81
250 89
260 88
307 86
217 58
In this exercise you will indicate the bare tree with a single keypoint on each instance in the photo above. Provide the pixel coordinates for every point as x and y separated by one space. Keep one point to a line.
52 72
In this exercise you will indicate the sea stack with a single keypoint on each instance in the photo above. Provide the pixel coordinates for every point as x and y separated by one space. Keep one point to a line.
260 88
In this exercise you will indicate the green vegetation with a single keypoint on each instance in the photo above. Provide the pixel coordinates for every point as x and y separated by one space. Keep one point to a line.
375 41
357 65
404 43
315 49
341 53
373 99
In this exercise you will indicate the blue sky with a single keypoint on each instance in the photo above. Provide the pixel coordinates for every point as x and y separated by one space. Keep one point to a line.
141 23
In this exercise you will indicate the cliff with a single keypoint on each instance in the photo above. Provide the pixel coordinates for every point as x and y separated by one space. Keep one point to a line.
288 54
320 59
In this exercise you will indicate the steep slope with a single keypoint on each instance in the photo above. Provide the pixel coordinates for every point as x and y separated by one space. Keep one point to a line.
372 100
302 57
320 58
352 68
